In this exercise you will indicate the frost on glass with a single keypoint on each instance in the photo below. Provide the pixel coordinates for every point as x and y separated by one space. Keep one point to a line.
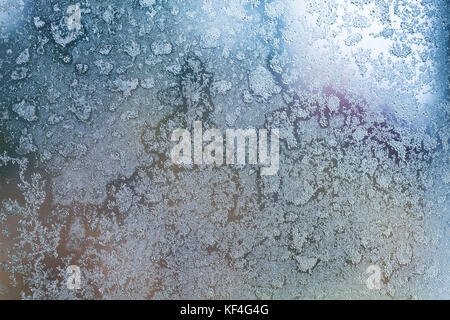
91 91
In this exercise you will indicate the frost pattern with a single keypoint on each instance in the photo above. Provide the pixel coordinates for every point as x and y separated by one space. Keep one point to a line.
359 91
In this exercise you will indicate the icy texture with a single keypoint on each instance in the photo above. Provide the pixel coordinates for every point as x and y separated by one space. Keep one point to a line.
358 90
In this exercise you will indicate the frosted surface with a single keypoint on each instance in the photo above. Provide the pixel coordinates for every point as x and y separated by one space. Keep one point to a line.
91 91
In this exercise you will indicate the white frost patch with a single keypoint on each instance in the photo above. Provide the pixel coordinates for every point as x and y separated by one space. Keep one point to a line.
221 87
211 38
23 57
262 83
25 111
161 47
